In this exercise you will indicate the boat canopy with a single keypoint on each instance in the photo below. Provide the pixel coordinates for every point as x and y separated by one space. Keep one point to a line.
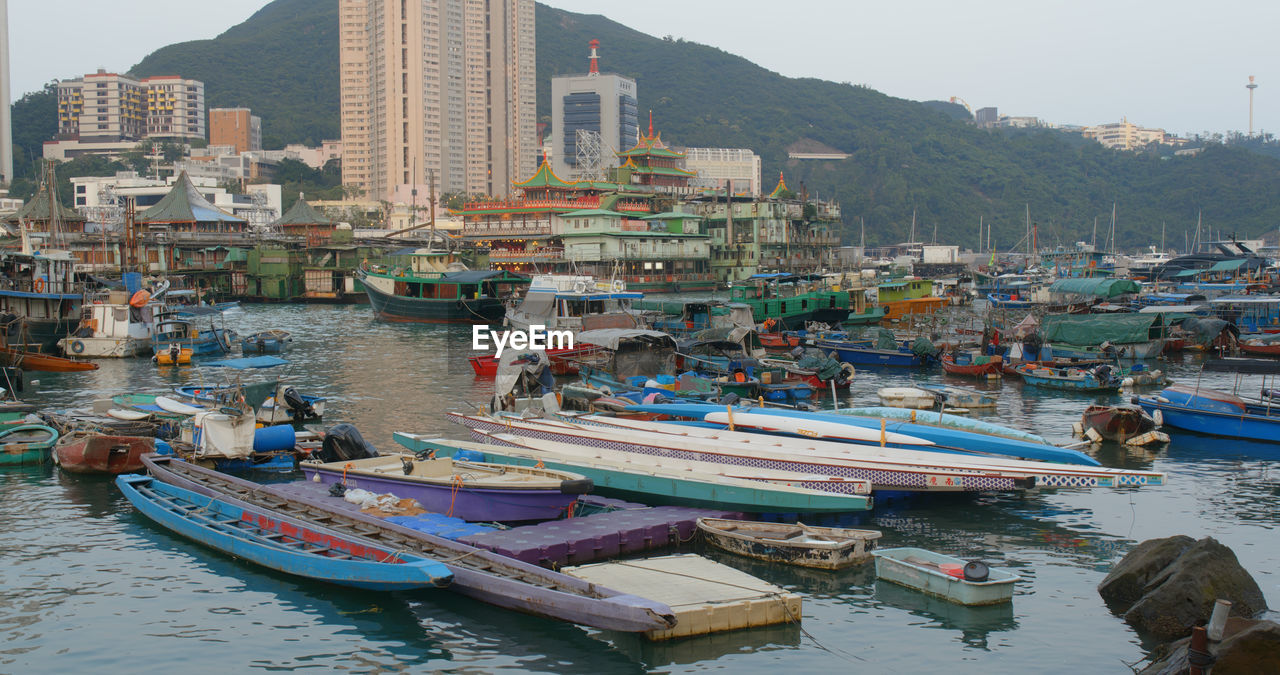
612 338
1173 309
1094 329
1096 287
1227 265
477 276
249 362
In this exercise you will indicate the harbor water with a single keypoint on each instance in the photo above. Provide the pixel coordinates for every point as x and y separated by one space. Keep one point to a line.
86 583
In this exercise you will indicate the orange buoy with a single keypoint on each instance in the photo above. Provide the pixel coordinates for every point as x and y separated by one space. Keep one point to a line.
140 299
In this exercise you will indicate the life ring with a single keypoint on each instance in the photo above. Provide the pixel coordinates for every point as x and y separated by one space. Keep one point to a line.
38 285
77 346
619 286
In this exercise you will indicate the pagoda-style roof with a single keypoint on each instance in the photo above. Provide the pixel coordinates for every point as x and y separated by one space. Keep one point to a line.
302 213
544 177
651 145
185 204
782 187
37 209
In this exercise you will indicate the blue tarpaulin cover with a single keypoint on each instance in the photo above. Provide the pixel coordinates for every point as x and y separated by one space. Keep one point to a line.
250 362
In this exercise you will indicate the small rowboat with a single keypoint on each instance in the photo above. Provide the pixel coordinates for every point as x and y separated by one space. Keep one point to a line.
467 490
973 365
562 361
26 444
1098 378
952 579
959 397
46 363
829 548
281 543
271 341
784 342
1260 348
90 452
1117 422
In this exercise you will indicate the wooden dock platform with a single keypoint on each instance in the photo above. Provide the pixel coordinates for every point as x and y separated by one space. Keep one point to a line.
706 596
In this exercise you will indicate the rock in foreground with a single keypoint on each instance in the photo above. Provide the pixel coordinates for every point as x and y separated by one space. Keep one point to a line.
1165 587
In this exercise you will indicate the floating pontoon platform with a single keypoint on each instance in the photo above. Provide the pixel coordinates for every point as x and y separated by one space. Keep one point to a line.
705 596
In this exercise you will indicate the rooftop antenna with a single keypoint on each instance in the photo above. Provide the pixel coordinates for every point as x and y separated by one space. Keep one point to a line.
1251 86
594 69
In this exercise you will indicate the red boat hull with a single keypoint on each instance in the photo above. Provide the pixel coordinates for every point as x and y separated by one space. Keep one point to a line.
779 342
45 363
993 367
1260 350
1118 422
102 454
486 366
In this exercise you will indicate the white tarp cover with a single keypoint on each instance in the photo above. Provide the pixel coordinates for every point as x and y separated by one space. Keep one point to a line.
610 338
222 435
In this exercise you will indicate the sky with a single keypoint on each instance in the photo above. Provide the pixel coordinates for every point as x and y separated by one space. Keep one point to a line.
1174 64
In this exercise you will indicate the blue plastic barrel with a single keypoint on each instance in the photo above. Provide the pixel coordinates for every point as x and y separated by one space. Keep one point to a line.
273 439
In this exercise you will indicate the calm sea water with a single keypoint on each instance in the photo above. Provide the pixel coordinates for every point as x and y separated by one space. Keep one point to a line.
87 583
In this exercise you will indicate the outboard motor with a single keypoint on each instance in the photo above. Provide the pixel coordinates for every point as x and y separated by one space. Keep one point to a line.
342 443
298 407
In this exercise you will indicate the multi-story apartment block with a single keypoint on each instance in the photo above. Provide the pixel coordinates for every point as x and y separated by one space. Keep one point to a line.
603 103
440 88
175 107
101 107
237 127
106 112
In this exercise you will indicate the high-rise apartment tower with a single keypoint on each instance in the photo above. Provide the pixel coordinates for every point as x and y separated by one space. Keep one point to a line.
437 87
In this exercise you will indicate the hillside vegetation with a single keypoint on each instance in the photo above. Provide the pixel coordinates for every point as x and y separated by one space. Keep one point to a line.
905 156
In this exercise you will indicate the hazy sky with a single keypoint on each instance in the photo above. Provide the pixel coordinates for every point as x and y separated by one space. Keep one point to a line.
1175 64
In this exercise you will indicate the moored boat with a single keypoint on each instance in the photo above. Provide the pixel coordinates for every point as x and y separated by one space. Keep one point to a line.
466 490
1098 378
479 574
952 579
279 543
1218 413
46 363
1117 422
972 365
426 290
797 544
664 480
271 341
25 444
98 453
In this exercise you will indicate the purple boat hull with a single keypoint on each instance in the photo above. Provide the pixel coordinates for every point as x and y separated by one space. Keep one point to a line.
471 504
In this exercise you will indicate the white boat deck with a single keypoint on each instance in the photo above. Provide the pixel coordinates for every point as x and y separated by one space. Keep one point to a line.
707 597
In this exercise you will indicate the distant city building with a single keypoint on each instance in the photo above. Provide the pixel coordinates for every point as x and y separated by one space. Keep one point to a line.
738 168
6 122
1124 135
807 148
437 88
175 107
107 113
1020 122
602 103
986 117
237 127
95 196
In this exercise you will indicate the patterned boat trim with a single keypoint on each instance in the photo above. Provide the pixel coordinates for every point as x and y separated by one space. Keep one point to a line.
1119 477
883 479
842 487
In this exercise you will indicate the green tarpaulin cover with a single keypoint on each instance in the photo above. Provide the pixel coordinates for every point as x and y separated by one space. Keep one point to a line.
1094 329
1098 288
